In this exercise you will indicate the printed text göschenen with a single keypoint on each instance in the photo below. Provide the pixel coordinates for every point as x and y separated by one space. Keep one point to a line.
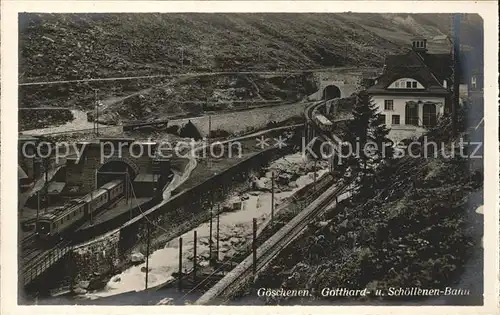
345 292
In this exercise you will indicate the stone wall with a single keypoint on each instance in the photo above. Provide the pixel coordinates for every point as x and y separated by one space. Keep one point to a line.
96 259
239 122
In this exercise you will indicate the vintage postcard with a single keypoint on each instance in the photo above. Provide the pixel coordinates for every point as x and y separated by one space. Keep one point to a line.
193 154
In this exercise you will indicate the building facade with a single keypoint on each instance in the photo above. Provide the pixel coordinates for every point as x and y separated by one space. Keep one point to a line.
413 91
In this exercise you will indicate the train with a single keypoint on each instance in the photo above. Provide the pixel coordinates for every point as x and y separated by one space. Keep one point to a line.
323 122
55 224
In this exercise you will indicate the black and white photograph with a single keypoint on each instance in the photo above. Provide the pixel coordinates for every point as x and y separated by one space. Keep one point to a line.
250 159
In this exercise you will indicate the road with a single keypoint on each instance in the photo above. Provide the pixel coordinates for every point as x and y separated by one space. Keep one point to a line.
197 74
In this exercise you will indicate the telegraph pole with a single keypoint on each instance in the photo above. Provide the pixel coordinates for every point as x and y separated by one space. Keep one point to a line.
46 164
147 252
272 198
180 264
194 256
254 247
38 206
218 222
209 140
456 72
91 207
210 241
97 113
315 175
129 188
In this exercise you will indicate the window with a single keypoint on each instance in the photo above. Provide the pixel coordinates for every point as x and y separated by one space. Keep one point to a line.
414 84
408 84
430 116
411 114
396 84
395 119
381 119
388 105
473 82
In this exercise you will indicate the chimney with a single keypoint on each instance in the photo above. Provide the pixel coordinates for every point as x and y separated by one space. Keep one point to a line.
419 44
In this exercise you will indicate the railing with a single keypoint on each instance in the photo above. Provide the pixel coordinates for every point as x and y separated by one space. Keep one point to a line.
44 261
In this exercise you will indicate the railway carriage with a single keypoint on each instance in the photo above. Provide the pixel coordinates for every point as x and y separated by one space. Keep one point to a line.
58 221
323 122
115 189
95 200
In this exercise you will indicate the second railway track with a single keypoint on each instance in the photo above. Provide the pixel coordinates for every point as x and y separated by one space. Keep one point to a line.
240 275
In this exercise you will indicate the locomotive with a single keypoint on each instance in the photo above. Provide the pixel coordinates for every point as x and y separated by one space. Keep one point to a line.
57 222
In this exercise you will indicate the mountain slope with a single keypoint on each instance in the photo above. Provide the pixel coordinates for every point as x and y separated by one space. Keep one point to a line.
79 46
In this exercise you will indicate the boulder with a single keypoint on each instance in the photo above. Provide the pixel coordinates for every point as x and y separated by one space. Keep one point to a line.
234 240
137 258
143 269
79 291
83 284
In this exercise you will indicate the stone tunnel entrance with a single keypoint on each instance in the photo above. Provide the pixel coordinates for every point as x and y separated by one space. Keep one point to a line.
331 92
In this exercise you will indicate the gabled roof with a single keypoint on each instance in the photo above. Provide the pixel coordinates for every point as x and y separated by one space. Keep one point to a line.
429 70
439 64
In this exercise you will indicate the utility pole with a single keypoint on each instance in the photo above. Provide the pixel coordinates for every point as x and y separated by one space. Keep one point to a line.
130 191
194 256
254 247
126 187
315 175
456 72
210 241
38 207
96 113
272 198
46 165
209 140
180 264
91 207
147 252
218 223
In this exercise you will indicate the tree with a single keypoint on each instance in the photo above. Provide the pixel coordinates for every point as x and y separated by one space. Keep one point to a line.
367 136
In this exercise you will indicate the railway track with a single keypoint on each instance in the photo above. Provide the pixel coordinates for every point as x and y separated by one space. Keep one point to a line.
37 260
240 275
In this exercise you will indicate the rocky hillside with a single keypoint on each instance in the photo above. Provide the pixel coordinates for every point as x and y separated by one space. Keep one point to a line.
78 46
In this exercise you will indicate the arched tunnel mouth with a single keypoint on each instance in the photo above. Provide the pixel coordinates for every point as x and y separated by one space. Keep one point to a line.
331 92
112 170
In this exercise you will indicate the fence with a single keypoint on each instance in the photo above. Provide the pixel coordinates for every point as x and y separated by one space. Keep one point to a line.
44 262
